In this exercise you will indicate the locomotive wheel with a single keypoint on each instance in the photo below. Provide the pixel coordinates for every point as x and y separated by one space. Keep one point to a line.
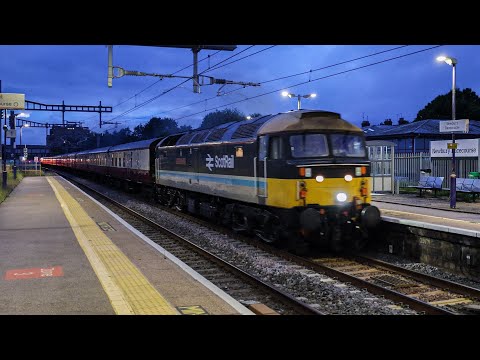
272 230
240 223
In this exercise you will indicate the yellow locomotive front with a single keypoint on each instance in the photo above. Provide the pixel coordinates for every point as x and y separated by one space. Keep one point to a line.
317 166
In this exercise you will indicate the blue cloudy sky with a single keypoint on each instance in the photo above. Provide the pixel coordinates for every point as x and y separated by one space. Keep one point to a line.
77 74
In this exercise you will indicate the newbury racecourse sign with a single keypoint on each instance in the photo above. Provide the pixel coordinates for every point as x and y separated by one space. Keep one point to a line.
466 148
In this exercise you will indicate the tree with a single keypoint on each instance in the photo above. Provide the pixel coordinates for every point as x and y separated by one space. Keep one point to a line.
184 128
365 123
388 122
467 106
158 127
402 121
221 117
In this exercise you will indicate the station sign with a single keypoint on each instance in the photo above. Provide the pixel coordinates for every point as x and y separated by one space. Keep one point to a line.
12 101
465 148
454 126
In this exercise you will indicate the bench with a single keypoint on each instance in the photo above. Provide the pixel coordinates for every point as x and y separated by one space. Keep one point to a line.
467 186
429 183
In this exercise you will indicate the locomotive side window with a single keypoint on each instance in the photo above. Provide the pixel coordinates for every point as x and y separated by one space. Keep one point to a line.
308 145
347 145
238 151
262 147
276 148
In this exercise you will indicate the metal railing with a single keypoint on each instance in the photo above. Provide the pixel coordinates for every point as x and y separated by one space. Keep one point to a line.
409 167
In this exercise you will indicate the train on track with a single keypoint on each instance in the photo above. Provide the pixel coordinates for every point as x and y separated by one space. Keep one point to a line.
297 178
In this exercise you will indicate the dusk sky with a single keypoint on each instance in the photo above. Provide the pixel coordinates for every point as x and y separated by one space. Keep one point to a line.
77 74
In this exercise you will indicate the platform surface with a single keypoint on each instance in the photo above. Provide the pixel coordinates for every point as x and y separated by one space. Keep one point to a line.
430 212
61 252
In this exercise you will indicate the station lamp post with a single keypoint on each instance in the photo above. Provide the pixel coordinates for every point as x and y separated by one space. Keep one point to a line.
290 95
453 177
21 128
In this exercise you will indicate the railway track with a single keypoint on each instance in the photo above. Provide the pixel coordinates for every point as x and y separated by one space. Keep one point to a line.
424 293
421 292
231 279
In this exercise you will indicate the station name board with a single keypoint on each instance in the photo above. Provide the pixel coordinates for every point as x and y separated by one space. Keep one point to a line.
465 148
460 126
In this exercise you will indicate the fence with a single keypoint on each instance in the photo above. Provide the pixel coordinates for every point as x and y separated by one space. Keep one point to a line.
409 166
28 168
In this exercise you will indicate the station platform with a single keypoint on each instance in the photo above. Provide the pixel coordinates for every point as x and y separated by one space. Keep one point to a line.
430 212
63 253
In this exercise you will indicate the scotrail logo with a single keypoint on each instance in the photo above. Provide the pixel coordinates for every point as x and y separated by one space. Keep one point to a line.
220 162
209 162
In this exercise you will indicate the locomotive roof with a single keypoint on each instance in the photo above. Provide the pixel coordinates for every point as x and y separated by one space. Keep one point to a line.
307 120
142 144
283 122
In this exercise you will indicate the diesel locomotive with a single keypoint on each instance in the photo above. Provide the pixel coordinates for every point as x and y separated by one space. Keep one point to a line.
297 178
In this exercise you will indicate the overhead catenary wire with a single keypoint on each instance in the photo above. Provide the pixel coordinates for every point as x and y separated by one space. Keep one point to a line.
301 83
215 67
272 80
313 80
157 81
288 76
163 93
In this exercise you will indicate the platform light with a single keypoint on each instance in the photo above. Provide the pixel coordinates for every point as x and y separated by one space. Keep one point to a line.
290 95
453 183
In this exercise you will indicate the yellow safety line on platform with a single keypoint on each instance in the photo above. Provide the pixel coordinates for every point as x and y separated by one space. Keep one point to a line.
431 216
127 288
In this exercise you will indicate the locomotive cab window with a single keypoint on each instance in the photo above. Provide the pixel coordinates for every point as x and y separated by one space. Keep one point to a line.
348 145
276 148
308 145
262 147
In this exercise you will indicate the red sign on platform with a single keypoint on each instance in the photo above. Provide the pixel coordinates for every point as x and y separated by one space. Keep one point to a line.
18 274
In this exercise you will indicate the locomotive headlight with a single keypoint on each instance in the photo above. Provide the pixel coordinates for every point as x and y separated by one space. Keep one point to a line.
348 178
341 197
319 178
